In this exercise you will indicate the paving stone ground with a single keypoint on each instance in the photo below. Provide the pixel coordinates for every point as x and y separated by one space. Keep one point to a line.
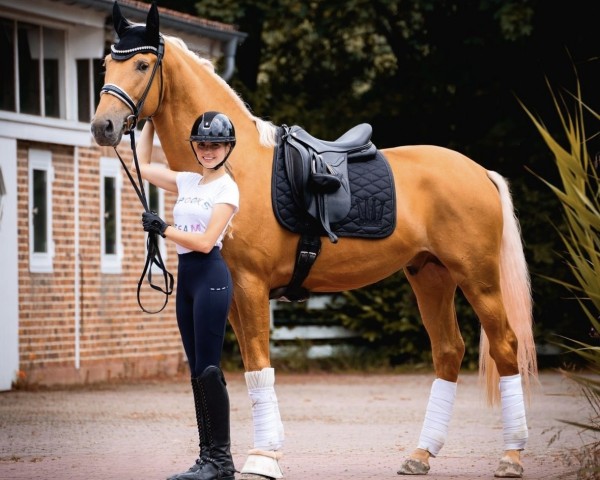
338 426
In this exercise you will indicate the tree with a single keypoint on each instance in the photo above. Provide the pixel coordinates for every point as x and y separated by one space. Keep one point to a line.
445 72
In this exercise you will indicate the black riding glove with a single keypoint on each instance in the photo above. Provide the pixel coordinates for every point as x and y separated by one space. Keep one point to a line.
153 223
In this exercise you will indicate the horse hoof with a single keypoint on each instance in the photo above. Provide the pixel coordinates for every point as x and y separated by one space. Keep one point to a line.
509 469
412 466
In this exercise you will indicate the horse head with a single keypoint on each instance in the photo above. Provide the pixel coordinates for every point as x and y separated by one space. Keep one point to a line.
130 90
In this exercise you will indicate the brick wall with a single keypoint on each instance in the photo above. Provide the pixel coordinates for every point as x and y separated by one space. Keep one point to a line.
115 338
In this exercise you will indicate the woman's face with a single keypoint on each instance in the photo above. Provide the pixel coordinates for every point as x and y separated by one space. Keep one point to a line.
210 154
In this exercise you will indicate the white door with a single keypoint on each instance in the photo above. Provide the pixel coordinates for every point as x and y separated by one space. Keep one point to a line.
9 279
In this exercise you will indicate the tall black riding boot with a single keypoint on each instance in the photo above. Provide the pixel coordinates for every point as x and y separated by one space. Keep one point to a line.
202 439
218 463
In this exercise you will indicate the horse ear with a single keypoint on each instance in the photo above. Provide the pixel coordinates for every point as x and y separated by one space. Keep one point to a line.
152 28
119 21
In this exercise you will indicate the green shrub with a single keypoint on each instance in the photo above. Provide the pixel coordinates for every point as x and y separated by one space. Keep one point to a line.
579 194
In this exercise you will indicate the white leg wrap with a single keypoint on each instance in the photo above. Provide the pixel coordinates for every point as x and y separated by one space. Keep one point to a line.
514 422
263 463
437 417
268 429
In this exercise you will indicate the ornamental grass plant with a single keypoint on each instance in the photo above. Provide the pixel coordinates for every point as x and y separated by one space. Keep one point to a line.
579 193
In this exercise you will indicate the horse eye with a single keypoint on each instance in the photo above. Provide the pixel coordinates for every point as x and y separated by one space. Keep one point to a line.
143 66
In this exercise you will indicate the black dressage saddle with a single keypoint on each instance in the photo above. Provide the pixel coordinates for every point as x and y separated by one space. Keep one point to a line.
341 188
317 172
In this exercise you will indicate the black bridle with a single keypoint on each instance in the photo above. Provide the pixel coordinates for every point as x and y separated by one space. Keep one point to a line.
153 256
115 90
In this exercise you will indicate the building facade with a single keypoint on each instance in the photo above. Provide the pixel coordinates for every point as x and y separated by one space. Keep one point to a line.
72 244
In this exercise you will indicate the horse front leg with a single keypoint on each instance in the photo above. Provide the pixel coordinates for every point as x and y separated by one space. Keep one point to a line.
250 318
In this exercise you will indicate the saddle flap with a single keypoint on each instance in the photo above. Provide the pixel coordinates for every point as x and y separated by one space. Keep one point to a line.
297 172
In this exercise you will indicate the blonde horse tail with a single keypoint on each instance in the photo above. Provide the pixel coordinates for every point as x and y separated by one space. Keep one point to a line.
516 293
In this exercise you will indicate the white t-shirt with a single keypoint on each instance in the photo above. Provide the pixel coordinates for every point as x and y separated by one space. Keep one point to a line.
195 202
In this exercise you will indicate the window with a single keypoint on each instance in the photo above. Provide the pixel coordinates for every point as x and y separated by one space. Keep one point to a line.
53 70
41 176
7 65
90 78
110 215
33 66
84 97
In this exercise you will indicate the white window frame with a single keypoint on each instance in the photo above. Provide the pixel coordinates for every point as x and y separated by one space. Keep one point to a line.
111 262
84 39
41 261
41 51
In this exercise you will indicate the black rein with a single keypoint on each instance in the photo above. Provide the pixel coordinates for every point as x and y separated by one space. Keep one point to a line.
153 255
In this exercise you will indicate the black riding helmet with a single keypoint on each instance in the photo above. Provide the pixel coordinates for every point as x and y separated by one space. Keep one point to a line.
213 127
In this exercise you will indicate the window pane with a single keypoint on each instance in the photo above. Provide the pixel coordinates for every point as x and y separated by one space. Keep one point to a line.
53 52
98 80
83 91
29 78
110 215
153 198
51 88
40 212
7 65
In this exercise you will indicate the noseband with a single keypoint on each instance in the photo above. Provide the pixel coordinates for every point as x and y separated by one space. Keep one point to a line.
115 90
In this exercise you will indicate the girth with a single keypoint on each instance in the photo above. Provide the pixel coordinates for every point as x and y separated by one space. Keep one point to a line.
309 247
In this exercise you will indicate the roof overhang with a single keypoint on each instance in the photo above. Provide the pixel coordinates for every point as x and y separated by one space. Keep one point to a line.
175 21
169 19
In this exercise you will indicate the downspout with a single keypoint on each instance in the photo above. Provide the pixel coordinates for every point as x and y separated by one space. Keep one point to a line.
76 276
230 49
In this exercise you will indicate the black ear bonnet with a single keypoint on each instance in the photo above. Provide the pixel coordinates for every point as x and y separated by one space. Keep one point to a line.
135 39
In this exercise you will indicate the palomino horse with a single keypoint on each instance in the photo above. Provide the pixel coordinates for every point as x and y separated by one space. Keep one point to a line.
455 228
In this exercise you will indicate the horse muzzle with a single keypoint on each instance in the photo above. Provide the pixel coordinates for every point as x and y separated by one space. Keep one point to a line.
108 131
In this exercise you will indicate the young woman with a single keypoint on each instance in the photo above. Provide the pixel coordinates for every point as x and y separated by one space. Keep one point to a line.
205 205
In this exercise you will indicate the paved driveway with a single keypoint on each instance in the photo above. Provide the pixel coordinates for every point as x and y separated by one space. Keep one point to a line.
338 426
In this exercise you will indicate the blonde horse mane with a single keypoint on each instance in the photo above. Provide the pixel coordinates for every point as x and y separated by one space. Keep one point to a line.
266 130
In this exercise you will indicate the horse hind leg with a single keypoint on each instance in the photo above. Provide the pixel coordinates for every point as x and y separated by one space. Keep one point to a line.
435 291
486 299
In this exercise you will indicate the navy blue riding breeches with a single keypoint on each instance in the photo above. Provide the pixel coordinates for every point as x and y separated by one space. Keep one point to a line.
204 291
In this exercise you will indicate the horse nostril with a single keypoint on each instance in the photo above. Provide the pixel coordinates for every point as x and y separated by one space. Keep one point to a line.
109 128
